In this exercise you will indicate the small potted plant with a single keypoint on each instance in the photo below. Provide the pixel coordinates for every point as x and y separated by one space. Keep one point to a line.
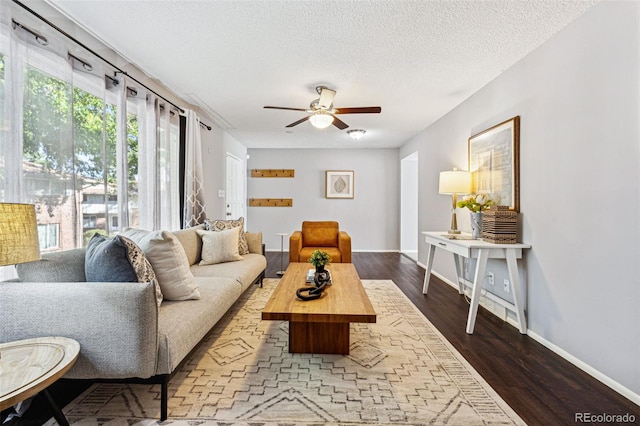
319 259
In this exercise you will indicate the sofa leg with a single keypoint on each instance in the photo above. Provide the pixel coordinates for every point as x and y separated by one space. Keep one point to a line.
258 281
164 396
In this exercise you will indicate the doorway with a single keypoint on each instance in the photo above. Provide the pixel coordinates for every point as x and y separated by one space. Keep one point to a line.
234 188
409 206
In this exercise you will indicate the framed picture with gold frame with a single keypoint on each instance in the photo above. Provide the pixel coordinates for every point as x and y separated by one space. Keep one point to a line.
494 163
339 184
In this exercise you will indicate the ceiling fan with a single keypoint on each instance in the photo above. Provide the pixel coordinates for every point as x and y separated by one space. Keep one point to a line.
322 113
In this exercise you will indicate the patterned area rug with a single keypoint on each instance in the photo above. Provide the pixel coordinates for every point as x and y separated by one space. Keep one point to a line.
401 371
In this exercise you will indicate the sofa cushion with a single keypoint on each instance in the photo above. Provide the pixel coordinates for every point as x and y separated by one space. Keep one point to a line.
106 261
182 325
169 261
244 272
220 246
221 225
61 266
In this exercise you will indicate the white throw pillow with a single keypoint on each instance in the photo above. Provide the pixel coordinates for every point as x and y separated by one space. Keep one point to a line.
219 246
169 262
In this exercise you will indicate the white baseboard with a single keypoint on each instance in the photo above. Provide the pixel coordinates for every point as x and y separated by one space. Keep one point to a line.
621 389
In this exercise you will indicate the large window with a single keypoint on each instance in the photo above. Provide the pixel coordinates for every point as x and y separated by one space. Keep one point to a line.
91 153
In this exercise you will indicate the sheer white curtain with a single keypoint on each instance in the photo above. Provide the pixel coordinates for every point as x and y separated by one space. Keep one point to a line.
194 210
148 197
158 166
118 86
76 143
36 133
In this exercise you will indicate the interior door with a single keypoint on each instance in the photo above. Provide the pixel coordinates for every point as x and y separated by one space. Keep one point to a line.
235 187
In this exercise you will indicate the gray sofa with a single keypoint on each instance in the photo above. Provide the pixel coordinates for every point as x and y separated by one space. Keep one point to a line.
123 334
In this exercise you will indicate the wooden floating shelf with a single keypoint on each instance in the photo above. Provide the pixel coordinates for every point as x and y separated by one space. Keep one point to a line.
273 173
270 202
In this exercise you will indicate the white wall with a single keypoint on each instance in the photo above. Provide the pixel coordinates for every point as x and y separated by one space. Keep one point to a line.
578 98
215 145
409 203
213 164
371 217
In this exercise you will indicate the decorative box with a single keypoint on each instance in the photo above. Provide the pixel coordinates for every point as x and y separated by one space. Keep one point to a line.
500 225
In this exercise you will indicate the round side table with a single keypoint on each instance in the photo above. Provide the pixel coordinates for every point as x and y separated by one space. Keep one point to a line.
28 367
282 235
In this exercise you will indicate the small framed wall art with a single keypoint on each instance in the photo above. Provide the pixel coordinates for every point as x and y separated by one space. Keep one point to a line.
339 184
494 163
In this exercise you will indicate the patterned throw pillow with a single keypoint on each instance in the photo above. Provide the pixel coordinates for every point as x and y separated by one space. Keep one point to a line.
222 225
141 266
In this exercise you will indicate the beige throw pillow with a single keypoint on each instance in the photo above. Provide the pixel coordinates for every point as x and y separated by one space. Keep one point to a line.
169 262
254 241
219 246
221 225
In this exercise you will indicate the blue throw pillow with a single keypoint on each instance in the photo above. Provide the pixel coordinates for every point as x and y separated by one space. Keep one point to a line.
106 261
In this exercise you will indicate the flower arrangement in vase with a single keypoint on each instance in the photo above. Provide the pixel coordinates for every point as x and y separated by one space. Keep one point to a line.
319 259
476 203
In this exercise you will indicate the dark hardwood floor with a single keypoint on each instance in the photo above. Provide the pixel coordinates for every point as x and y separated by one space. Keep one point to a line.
539 385
542 387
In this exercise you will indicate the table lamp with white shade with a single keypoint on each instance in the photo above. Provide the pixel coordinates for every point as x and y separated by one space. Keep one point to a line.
18 234
454 182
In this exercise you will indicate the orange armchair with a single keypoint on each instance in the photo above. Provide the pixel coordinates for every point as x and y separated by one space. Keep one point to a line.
325 236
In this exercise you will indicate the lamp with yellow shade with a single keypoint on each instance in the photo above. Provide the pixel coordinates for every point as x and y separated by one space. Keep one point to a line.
18 234
454 182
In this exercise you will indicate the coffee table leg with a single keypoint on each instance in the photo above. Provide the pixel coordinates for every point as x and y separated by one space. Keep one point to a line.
57 412
319 338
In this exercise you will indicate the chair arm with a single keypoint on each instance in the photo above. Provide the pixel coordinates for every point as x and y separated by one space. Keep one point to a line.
116 324
295 245
344 244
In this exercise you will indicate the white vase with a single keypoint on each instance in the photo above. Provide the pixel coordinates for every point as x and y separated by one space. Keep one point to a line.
476 225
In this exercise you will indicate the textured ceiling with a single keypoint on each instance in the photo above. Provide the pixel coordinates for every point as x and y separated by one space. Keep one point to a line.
415 59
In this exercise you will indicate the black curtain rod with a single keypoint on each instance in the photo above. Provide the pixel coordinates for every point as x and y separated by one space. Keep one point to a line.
70 37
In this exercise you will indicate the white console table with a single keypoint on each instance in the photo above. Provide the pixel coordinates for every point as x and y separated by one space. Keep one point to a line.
482 251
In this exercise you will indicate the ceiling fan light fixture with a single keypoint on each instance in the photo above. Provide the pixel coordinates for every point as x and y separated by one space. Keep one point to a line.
356 133
321 120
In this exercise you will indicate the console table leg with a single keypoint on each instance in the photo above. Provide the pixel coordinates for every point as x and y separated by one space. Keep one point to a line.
57 413
514 277
481 266
459 272
431 250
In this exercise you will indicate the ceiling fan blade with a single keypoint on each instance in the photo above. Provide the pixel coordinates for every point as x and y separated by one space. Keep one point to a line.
339 123
326 98
358 110
302 120
287 108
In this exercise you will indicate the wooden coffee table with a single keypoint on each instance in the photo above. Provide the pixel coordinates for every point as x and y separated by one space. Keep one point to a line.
320 326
